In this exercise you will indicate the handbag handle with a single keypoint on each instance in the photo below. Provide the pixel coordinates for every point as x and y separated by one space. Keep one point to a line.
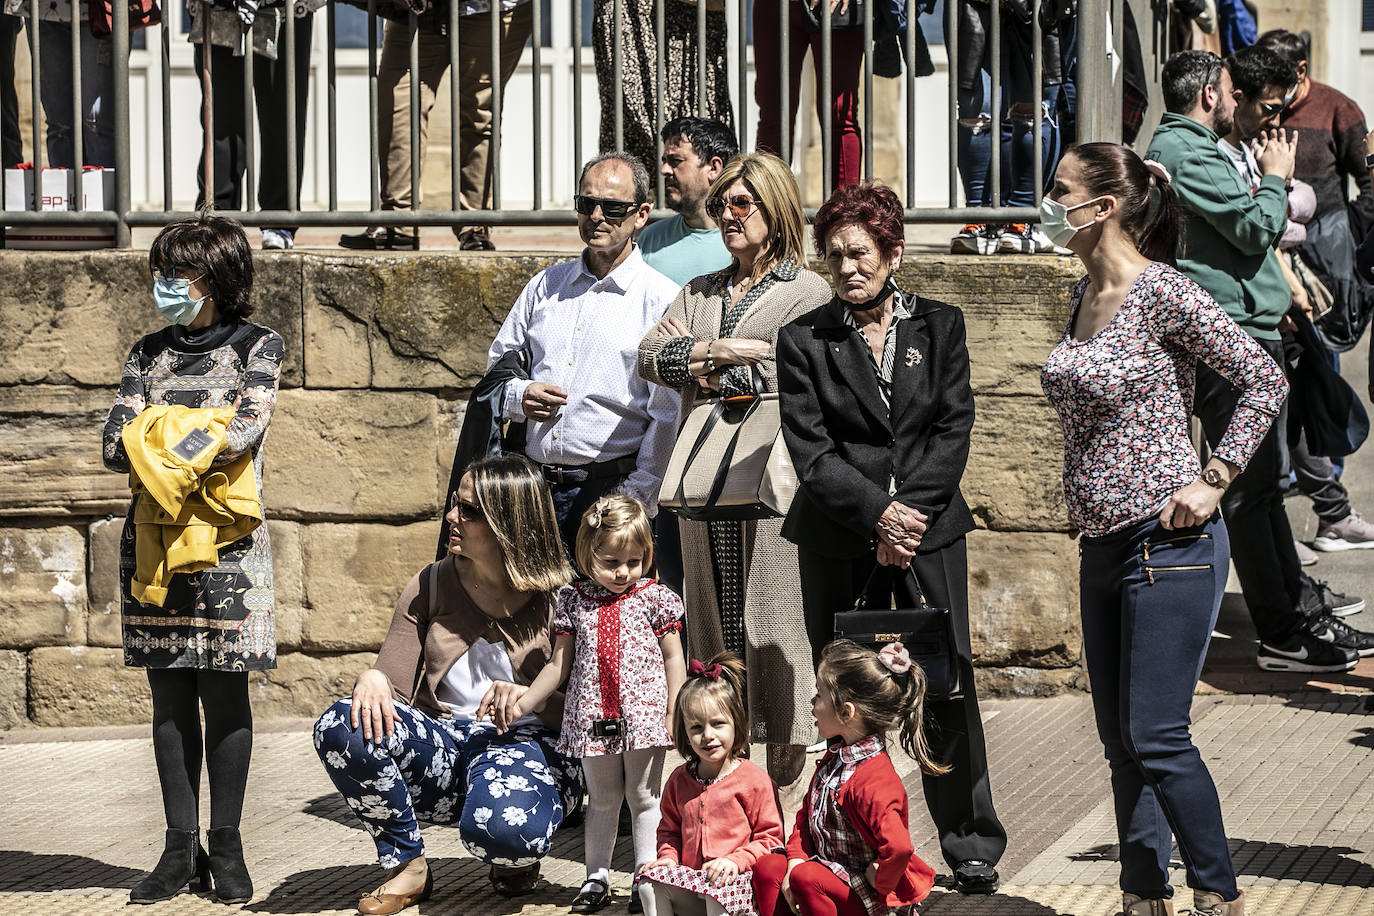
863 592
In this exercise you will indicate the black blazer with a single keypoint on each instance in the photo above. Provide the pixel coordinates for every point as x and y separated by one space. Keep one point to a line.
845 447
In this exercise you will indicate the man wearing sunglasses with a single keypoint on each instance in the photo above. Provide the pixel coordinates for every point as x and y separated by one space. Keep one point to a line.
591 422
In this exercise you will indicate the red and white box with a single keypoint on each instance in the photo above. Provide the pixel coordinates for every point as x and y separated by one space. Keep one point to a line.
55 188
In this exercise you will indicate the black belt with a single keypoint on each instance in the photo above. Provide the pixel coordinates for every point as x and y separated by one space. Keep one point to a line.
579 473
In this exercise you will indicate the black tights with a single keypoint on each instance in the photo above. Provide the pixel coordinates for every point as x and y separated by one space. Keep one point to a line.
178 696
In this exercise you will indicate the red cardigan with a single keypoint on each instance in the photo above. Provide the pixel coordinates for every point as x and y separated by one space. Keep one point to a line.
874 800
736 818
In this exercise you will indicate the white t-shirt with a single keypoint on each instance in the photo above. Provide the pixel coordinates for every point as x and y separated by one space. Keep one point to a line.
472 675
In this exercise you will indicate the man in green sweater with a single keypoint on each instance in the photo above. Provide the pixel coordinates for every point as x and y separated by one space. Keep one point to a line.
1230 235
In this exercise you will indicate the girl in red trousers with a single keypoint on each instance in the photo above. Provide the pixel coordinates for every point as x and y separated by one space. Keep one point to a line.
720 812
850 853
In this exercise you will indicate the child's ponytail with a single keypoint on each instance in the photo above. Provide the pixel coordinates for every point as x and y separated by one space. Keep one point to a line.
886 689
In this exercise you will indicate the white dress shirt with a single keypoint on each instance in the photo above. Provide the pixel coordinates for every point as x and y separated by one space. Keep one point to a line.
583 335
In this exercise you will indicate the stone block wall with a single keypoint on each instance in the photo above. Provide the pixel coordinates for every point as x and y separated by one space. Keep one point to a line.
381 355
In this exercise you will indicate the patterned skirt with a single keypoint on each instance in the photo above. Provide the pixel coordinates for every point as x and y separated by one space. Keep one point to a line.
219 619
735 897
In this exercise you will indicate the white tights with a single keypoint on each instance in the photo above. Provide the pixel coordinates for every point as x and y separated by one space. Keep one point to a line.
662 900
636 777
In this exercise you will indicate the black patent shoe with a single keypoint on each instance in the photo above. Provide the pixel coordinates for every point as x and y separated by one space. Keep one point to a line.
590 899
514 882
183 864
974 876
381 238
636 905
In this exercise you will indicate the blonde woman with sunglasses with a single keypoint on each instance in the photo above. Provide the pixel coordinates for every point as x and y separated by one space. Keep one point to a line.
741 586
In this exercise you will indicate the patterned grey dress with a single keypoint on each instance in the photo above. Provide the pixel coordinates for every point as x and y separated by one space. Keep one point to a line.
219 619
639 73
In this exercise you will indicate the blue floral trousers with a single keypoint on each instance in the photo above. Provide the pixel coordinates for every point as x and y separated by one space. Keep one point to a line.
507 793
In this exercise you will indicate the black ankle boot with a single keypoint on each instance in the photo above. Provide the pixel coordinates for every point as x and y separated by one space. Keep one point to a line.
183 862
232 884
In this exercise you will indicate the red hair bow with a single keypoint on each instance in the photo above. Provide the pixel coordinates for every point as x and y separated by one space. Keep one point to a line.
697 669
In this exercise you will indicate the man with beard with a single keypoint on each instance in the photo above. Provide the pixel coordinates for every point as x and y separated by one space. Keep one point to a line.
592 423
689 244
1231 235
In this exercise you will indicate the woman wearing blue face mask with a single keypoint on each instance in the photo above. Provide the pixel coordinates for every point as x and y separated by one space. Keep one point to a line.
188 427
1154 549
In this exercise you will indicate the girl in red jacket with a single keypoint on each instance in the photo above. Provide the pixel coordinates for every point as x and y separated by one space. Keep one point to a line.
720 812
850 853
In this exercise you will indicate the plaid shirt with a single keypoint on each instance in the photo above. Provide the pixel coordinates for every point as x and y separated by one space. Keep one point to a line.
839 846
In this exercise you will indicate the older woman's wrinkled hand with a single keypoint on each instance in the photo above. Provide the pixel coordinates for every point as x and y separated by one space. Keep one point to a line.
899 523
894 556
502 703
373 708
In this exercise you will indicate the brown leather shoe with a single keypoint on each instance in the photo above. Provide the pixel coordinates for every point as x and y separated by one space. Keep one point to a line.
1131 905
1206 903
377 903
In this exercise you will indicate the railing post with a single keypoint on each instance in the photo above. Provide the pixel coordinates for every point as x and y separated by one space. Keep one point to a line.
1099 95
120 40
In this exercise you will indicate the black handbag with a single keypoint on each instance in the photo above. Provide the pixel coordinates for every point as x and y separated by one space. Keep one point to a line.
926 632
851 20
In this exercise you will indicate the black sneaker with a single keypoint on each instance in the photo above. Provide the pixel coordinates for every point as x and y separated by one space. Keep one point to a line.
1339 633
974 876
1305 652
1337 605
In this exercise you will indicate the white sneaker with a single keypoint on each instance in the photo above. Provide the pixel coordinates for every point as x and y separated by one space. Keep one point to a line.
1350 533
1024 238
278 239
976 238
1306 556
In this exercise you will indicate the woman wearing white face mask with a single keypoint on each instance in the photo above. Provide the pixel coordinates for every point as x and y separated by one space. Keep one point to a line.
196 397
1154 549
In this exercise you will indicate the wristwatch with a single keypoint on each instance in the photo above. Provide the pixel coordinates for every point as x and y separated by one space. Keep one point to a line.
1369 160
1213 478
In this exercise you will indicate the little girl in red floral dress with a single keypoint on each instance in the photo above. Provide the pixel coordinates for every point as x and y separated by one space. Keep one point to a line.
616 642
720 811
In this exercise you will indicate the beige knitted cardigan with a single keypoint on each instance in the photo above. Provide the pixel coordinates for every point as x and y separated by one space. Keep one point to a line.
778 656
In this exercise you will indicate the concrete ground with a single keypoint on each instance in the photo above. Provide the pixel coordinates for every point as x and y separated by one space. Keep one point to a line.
1293 758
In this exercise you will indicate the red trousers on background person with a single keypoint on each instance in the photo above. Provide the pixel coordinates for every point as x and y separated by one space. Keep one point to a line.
817 890
846 65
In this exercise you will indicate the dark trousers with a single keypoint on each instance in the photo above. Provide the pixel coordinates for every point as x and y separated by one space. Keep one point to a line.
960 802
1261 538
1146 625
231 144
11 144
570 500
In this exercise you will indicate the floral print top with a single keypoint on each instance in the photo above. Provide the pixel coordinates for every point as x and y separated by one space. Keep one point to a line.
617 670
1125 394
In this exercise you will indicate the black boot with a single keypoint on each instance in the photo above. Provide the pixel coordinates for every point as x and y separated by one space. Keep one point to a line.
232 884
183 862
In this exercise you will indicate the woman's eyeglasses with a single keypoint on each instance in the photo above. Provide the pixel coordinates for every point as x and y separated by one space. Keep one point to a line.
740 206
613 210
467 512
178 272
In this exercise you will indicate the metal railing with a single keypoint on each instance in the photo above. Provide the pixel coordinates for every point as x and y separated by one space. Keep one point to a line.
1099 95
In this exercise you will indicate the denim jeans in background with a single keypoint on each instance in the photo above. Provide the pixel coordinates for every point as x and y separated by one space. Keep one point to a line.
1150 598
97 94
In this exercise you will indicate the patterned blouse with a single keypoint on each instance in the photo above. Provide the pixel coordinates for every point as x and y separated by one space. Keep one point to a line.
1125 394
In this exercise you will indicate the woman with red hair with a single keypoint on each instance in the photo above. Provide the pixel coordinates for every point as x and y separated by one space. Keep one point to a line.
877 412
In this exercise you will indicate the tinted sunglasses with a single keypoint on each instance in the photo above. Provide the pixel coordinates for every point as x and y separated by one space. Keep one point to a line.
467 511
179 272
740 206
613 210
1269 109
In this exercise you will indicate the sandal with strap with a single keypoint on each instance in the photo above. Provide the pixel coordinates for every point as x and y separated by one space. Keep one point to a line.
589 900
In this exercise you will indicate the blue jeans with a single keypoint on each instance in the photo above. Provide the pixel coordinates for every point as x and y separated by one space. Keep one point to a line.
1149 600
507 793
97 94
